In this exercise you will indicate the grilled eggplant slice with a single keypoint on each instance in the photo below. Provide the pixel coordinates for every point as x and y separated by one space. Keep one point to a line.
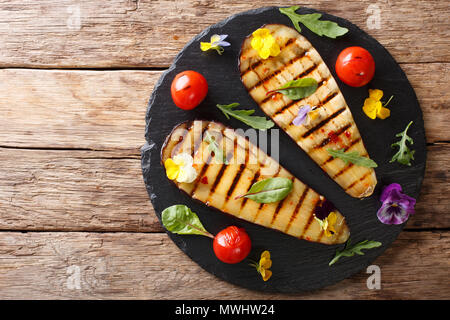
220 182
333 126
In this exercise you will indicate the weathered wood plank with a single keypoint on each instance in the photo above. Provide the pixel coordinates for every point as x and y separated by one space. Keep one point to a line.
125 33
104 191
150 266
104 110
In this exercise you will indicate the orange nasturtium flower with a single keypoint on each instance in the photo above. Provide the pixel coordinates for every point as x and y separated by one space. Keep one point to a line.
264 43
373 107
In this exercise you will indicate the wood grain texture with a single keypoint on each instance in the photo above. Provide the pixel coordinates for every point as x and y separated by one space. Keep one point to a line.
67 190
124 265
105 110
138 33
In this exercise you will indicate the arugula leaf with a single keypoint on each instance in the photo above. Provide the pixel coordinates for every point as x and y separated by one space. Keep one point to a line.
355 249
297 89
404 154
311 21
213 147
352 157
181 220
269 190
245 116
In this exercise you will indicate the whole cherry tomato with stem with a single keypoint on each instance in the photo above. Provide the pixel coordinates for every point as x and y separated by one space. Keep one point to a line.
188 89
232 245
355 66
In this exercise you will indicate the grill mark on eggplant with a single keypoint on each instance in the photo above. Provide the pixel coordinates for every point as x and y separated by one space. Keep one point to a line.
238 174
297 208
256 64
342 171
310 218
323 122
356 181
328 139
187 128
199 141
283 67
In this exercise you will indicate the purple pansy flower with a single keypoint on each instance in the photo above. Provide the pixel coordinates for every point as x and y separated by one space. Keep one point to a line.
396 206
322 211
301 116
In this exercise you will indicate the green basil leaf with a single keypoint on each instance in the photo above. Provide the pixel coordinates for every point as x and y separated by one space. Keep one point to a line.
245 116
298 89
352 157
181 220
404 154
311 21
350 251
269 190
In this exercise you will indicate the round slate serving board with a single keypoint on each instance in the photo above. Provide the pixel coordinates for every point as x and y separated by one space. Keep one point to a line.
298 265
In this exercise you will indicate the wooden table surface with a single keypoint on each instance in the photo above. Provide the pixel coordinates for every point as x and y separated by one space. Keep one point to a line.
75 218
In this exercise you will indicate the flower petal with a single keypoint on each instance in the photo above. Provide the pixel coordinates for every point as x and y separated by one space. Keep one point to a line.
172 169
389 214
187 175
388 190
215 38
265 254
264 53
275 50
301 115
375 94
383 113
257 43
205 46
265 263
267 275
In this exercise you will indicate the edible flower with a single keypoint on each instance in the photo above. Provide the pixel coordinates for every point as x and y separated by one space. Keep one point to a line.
373 107
396 206
263 265
216 43
264 43
301 116
180 168
326 217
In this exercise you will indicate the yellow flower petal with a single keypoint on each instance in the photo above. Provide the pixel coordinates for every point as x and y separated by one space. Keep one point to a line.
265 254
264 53
265 263
172 169
257 43
205 46
375 94
261 32
275 50
371 107
267 275
215 38
383 113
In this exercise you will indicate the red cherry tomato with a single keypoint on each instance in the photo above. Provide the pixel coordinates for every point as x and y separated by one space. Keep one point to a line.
355 66
188 89
232 245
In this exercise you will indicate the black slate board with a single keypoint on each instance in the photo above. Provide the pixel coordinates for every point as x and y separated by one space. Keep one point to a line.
298 265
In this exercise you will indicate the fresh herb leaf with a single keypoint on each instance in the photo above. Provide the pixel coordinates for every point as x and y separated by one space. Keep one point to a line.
352 157
269 190
311 21
297 89
181 220
404 154
245 116
356 249
213 147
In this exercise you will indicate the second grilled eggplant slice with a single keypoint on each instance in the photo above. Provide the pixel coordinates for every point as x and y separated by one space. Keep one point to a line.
220 182
333 127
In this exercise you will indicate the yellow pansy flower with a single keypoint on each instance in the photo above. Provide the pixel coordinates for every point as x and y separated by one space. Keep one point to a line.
264 265
180 168
264 43
328 223
373 107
